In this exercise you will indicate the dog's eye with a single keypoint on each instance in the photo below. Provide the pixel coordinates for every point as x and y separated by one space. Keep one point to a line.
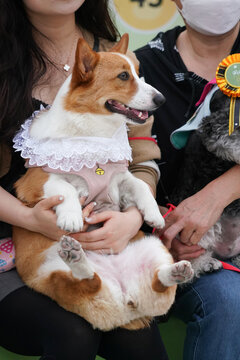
124 76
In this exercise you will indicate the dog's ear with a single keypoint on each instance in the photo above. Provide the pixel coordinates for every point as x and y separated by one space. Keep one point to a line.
219 101
122 45
85 62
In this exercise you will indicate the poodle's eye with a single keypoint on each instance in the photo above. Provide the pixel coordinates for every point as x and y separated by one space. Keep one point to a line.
124 76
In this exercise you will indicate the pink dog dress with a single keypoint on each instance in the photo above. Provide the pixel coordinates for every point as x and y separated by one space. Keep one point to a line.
98 180
96 159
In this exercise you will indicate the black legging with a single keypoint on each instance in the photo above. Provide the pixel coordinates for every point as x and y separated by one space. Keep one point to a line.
33 324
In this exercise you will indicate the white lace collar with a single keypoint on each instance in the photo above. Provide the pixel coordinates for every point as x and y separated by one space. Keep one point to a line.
71 153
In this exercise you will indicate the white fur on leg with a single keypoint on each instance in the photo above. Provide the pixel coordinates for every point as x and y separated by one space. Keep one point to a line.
136 192
52 262
69 212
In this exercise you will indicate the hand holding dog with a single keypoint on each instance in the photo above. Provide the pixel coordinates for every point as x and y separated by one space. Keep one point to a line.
181 251
193 217
43 219
40 218
113 237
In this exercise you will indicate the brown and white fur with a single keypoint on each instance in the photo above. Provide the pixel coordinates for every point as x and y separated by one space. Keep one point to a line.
125 289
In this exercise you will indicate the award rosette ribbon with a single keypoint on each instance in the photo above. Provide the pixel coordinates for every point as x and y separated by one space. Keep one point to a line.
228 80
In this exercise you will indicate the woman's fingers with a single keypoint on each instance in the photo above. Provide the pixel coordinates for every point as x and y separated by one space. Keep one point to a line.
49 203
181 251
172 231
91 236
99 218
88 209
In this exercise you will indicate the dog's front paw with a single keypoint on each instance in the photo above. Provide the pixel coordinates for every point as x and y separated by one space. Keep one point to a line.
154 219
211 265
70 221
236 261
182 272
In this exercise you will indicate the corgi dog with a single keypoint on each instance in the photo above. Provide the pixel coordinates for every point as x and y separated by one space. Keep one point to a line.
80 138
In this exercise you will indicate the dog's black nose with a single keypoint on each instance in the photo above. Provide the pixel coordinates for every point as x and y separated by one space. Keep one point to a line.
159 99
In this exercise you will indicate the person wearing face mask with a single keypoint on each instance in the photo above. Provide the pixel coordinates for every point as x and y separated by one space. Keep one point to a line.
179 63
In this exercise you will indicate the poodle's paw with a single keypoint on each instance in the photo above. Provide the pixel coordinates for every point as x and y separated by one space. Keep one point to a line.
236 261
182 272
73 255
211 265
70 221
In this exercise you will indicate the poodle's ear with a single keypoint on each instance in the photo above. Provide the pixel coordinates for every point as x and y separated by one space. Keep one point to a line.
219 101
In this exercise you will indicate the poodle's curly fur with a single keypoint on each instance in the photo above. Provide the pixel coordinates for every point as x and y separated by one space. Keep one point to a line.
209 153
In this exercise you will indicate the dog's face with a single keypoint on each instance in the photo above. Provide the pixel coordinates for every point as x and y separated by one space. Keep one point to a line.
107 82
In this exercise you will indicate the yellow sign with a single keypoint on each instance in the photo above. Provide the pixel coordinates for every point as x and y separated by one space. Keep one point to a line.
145 14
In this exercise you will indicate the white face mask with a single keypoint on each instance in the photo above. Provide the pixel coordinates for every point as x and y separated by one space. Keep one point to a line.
211 17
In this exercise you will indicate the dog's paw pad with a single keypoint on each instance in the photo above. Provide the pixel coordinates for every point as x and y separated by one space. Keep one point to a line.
74 256
63 254
70 249
68 243
182 271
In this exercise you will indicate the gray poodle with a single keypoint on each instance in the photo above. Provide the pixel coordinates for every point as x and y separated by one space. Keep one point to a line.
210 152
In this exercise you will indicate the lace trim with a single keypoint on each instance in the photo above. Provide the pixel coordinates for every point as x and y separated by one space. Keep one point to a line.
71 153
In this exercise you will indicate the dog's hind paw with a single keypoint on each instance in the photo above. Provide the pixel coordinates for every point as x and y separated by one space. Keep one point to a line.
73 255
70 249
182 272
176 273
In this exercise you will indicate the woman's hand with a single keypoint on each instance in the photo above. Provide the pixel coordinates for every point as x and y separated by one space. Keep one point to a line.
42 218
192 218
114 235
181 251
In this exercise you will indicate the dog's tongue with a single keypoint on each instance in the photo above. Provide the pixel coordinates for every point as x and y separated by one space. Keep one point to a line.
128 111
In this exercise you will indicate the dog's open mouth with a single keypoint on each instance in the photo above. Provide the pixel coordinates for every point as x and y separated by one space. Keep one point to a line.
139 116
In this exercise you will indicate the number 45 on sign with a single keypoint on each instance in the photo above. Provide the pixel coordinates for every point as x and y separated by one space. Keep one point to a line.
141 2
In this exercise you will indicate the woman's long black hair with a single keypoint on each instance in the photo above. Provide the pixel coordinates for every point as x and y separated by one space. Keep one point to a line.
23 63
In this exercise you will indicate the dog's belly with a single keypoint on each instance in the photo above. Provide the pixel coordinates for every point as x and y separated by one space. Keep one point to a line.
123 269
130 272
